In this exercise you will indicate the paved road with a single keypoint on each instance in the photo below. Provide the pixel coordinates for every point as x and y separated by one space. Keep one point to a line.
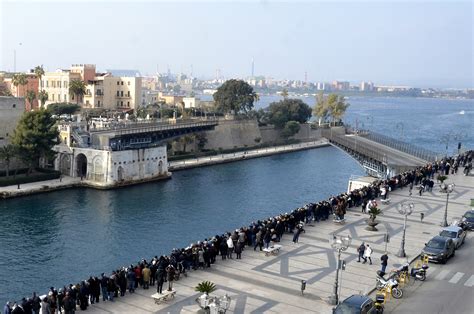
448 288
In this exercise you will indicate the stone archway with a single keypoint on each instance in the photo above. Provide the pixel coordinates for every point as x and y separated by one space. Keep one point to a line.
120 173
81 166
160 167
65 164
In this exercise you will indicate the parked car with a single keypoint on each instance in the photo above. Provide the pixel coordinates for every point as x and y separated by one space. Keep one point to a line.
358 304
467 220
456 233
439 249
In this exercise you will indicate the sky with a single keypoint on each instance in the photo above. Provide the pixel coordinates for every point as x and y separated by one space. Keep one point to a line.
415 43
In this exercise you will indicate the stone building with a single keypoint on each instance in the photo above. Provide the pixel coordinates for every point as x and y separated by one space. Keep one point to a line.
11 110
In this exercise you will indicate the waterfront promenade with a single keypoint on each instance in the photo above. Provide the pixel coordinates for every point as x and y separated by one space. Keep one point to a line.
262 284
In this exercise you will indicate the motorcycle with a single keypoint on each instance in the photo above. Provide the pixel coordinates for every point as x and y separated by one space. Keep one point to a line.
390 283
419 272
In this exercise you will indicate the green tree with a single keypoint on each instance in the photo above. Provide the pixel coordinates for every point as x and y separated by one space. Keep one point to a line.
284 93
290 129
60 108
19 79
43 97
207 287
279 113
30 96
7 153
201 140
235 96
39 71
321 109
35 135
337 106
77 88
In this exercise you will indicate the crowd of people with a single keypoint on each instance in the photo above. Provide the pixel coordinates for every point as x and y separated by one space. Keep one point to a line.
203 254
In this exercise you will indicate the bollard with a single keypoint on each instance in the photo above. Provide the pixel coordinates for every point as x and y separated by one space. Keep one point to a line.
18 187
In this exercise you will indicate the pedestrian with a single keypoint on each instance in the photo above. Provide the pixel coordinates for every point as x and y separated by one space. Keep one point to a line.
384 259
146 273
258 240
7 309
160 278
69 304
238 249
104 283
367 254
296 235
230 247
45 306
170 272
35 303
131 279
361 250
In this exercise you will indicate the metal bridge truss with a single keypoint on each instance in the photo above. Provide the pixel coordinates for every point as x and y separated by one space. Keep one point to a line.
155 136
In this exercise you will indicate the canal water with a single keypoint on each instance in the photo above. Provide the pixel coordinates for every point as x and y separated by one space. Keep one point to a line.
63 237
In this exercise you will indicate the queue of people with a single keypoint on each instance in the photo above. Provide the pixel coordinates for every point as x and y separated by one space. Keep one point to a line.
203 254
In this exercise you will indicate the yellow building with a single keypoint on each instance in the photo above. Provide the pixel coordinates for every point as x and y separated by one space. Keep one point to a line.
56 84
111 92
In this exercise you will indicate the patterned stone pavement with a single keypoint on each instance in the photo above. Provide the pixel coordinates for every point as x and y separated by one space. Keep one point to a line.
261 284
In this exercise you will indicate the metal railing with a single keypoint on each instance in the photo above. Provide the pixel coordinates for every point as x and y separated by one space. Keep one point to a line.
402 146
164 127
147 124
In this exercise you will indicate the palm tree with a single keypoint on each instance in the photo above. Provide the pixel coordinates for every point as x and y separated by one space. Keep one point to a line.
39 71
19 79
43 97
77 88
205 287
6 154
30 96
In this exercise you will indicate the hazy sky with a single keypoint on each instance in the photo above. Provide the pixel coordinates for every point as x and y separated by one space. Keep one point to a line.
422 43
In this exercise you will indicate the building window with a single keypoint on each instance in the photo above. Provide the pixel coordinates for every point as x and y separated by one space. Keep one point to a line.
65 84
87 102
121 93
118 103
59 84
98 103
52 95
128 83
121 103
128 93
128 104
59 97
47 83
14 106
118 83
121 83
118 93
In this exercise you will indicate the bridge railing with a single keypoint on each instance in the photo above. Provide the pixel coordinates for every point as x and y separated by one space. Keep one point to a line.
402 146
149 123
163 127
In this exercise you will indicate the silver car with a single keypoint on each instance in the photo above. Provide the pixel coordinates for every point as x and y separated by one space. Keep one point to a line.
457 234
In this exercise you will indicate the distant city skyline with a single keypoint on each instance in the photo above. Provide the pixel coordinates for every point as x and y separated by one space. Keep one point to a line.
422 44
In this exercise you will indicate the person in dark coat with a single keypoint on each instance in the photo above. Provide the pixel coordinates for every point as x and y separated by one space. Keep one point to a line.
170 273
160 278
69 304
223 249
35 303
238 249
84 296
361 250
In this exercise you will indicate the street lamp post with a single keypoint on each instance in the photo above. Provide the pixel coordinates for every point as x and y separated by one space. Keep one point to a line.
339 243
447 188
405 209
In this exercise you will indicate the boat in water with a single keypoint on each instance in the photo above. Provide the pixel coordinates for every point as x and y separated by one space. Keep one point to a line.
461 112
